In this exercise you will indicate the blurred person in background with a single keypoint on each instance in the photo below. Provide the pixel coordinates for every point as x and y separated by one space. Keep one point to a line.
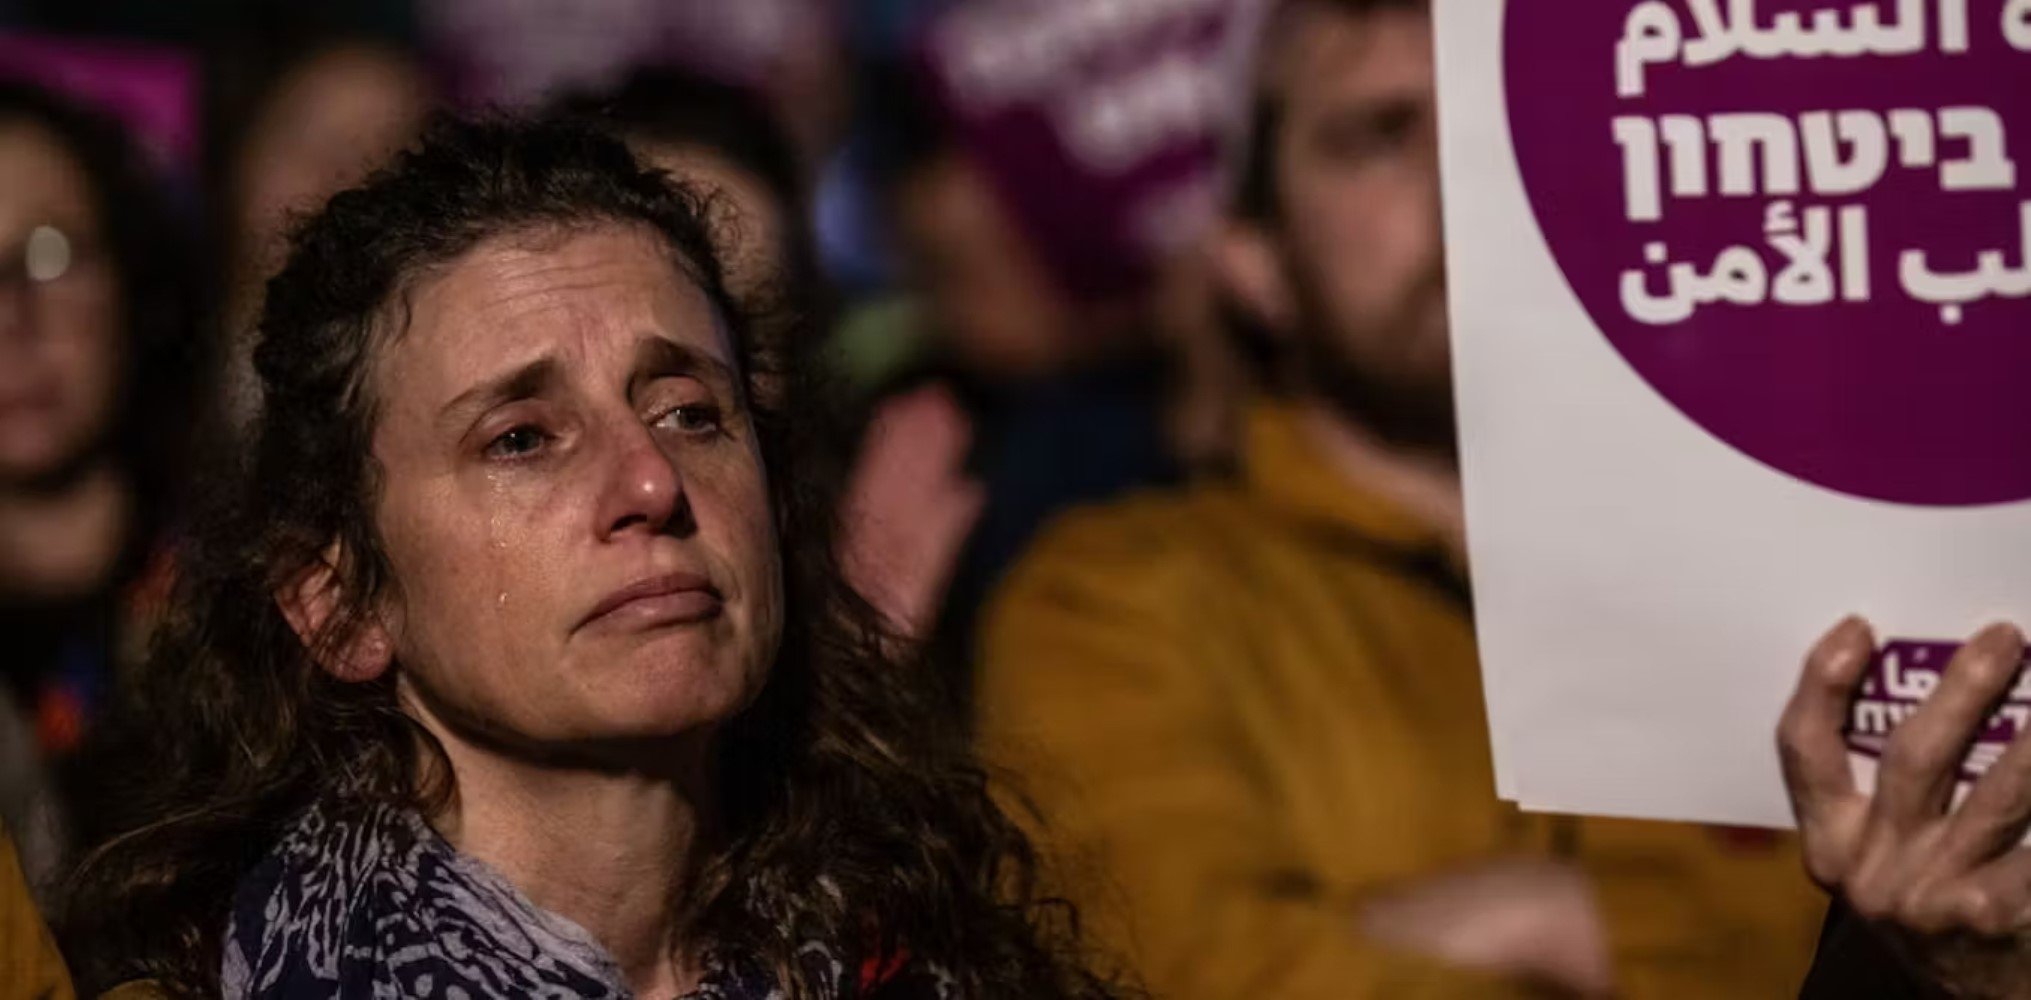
1251 708
297 113
1025 400
518 662
727 141
99 376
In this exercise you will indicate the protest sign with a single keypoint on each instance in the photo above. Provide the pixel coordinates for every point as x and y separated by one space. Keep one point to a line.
1741 297
1101 122
508 54
151 90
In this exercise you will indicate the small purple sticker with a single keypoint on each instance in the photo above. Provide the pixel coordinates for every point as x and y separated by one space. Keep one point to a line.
1807 225
1900 678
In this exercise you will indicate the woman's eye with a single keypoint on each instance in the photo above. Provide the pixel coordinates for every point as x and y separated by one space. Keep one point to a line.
694 418
517 442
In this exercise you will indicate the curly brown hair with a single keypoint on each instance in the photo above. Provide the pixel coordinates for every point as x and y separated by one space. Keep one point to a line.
854 814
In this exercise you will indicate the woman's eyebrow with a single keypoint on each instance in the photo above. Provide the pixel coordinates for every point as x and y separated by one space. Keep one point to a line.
657 357
521 383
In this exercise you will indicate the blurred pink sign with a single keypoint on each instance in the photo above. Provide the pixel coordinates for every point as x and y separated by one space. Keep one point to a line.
1102 121
519 53
150 89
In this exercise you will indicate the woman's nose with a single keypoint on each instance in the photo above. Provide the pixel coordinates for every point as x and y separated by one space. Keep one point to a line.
644 489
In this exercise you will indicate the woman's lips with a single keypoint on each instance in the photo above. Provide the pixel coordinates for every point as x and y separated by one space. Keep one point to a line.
672 599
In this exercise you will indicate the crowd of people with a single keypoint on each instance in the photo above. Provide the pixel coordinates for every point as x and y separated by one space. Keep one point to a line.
499 554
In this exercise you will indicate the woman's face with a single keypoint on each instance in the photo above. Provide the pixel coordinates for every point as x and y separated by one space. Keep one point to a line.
59 309
573 501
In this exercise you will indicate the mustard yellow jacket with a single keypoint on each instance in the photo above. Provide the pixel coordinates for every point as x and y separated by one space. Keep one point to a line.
30 968
1244 707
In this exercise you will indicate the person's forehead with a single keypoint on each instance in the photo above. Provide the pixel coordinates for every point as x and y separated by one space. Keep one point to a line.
40 181
579 295
350 75
1329 54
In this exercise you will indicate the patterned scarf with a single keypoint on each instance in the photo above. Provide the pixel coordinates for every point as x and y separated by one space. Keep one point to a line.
376 905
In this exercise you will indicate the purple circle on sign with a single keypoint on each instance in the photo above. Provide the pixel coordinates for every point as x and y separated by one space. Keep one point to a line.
1867 373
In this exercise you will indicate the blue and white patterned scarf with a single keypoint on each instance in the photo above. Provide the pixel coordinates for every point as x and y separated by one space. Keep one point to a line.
377 906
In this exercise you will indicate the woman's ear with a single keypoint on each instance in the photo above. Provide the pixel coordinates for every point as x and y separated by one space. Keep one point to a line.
310 599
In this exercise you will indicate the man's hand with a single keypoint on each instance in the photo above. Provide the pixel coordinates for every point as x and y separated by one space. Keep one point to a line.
1948 883
1530 919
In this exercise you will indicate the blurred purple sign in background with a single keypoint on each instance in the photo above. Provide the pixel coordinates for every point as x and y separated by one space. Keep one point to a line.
1103 122
515 53
150 89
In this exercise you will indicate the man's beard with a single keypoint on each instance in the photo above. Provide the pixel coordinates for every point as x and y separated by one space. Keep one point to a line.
1405 400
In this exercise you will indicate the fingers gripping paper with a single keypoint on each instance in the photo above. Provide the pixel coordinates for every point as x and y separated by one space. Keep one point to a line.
1741 299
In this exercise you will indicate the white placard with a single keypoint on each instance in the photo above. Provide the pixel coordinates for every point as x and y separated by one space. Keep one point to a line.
1654 547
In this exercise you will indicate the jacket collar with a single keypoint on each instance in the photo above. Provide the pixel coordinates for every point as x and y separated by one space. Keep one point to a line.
1284 465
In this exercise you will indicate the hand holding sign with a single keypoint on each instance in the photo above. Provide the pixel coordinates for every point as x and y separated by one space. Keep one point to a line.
1949 881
